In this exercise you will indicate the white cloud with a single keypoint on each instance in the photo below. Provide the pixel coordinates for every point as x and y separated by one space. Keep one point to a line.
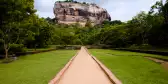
119 9
44 7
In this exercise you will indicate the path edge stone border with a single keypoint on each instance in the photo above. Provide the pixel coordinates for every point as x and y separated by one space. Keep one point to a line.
109 74
57 78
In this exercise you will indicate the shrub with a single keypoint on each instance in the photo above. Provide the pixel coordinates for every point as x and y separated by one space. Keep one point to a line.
68 47
134 46
84 3
60 47
14 48
7 60
143 46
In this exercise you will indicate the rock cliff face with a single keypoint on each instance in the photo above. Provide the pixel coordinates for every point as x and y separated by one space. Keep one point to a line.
70 13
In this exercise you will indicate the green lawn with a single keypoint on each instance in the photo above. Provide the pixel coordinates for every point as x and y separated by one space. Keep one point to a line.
132 67
35 69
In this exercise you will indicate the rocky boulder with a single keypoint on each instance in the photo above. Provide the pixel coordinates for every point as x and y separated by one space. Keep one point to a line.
70 13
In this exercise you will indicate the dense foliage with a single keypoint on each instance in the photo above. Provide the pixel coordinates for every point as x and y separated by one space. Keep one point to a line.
20 28
19 25
144 30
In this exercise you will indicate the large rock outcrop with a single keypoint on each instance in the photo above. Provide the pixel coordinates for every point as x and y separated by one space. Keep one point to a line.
70 13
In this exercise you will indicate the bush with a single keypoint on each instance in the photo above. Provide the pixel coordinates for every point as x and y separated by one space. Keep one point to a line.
134 46
7 60
143 46
14 48
60 47
68 47
84 3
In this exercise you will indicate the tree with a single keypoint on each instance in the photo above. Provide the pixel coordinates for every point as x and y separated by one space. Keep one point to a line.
141 20
165 12
116 22
158 6
88 24
69 0
161 8
13 13
39 32
50 20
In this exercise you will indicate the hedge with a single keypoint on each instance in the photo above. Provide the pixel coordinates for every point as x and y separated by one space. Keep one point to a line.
164 53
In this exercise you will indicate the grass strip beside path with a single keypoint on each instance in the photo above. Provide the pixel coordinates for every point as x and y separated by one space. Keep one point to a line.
35 69
131 67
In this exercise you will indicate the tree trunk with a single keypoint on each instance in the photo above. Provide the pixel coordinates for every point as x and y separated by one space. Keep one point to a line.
6 53
143 39
6 50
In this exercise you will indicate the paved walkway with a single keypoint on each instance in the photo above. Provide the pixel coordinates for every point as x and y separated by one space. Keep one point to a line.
84 70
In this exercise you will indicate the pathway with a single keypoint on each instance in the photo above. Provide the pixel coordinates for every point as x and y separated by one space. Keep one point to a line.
84 70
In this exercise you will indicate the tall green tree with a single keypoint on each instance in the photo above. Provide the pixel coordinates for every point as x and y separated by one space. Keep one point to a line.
13 13
165 12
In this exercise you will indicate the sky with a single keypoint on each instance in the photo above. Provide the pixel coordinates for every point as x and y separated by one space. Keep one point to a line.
122 10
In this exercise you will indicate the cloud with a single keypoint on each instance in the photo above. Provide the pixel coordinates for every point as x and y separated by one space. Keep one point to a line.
119 9
44 7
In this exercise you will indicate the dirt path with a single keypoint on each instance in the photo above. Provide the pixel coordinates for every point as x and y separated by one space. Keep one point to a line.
162 62
84 70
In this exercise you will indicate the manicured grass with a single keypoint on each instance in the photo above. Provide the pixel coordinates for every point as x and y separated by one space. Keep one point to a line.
35 69
131 67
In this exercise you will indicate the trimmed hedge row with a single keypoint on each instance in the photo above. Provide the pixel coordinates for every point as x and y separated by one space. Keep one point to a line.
98 46
58 47
33 52
13 49
68 47
26 53
164 53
